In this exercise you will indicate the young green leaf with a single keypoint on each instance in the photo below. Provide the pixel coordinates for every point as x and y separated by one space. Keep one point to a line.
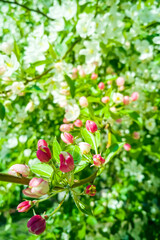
56 150
42 169
71 84
88 137
81 165
75 152
2 111
81 206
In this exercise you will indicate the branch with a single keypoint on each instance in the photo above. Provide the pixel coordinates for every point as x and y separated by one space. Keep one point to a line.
89 179
13 179
27 8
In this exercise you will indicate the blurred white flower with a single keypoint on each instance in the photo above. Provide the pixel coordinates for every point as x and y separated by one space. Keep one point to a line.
12 142
150 124
27 152
11 64
91 52
6 47
85 26
17 87
69 9
30 107
23 138
72 112
117 98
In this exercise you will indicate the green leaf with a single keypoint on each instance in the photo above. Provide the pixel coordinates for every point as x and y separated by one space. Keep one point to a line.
88 137
16 50
42 169
75 152
52 52
34 88
81 165
71 84
136 117
98 138
2 111
94 99
112 151
81 206
56 150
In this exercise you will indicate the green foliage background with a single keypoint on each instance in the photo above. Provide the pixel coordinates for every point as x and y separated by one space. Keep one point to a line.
127 203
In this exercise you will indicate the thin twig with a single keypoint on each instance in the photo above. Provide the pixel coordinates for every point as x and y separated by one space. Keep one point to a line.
27 8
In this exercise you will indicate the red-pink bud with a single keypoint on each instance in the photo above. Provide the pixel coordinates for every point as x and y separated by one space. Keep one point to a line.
126 100
66 127
98 160
42 143
18 169
91 126
90 190
83 101
65 120
67 138
44 154
136 135
24 206
120 81
78 123
101 85
94 76
36 224
119 120
127 146
105 99
37 188
134 96
66 162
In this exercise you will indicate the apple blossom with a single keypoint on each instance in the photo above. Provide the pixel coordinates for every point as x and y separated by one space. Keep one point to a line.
91 126
134 96
36 225
66 162
85 147
127 147
67 138
24 206
83 102
19 169
78 123
90 190
44 154
98 160
94 76
126 100
117 98
105 99
2 70
101 85
120 81
66 127
37 188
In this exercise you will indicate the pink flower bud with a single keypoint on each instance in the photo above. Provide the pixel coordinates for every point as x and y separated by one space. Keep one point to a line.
120 81
109 82
67 138
119 120
66 127
74 73
18 169
82 73
136 135
66 162
44 154
94 76
90 190
98 160
78 123
121 88
105 99
127 147
85 147
126 100
42 143
37 188
24 206
36 224
83 102
134 96
91 126
65 120
101 85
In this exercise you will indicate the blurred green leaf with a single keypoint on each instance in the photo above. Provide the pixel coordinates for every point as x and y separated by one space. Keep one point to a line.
71 84
2 111
56 150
